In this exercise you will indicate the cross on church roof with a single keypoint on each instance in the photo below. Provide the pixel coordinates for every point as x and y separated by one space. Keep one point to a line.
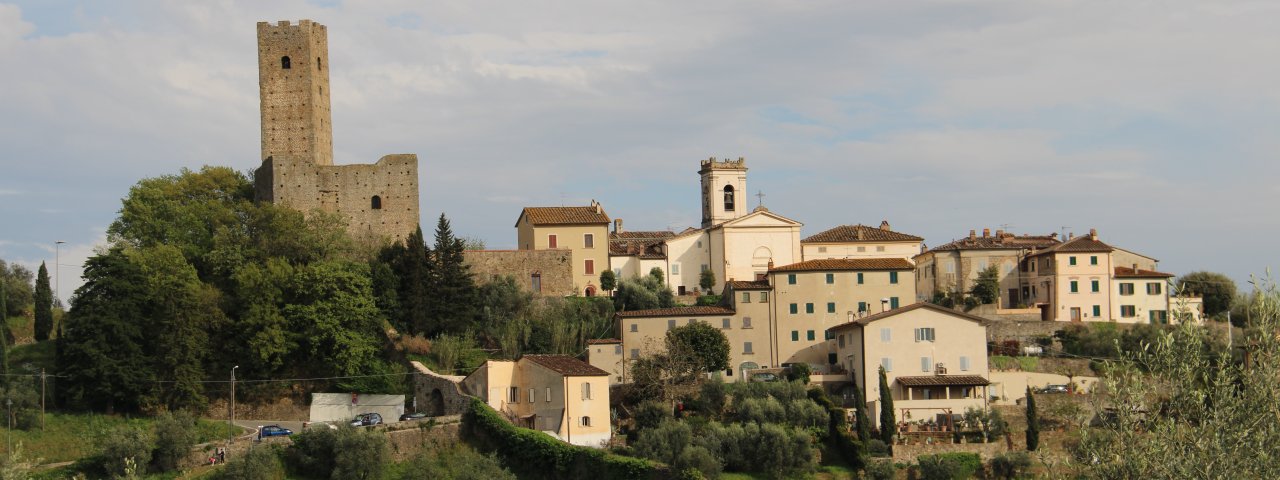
759 198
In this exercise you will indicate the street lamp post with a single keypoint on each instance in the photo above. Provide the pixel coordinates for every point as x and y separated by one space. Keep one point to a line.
231 407
57 271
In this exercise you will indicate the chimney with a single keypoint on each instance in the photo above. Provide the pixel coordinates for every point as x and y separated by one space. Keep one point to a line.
973 234
1093 234
1071 235
884 225
986 232
859 234
1135 268
1000 233
617 225
596 204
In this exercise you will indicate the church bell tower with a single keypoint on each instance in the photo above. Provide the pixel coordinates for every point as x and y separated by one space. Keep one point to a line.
724 190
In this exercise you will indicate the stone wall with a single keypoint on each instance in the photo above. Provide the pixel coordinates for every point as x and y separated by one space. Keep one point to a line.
349 190
908 453
407 442
555 268
296 116
438 395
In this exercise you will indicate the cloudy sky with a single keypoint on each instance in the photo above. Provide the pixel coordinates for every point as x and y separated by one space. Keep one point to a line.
1154 122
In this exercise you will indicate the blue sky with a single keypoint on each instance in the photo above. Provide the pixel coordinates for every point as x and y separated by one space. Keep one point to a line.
1153 122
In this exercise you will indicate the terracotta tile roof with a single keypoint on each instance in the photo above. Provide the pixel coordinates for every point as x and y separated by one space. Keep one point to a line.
860 233
646 245
566 365
846 264
942 380
676 312
1005 241
752 285
565 215
1083 243
915 306
1140 273
603 341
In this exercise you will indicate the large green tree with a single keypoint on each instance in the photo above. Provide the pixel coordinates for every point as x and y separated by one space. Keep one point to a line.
43 305
987 288
452 306
643 293
1217 289
16 280
700 346
888 424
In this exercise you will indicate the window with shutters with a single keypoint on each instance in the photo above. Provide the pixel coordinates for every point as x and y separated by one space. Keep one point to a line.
926 364
791 279
808 308
1128 311
924 334
725 323
513 395
860 278
887 364
795 308
549 391
964 364
886 335
746 348
831 307
810 336
795 335
831 278
586 391
1153 288
746 322
764 297
588 240
893 277
746 297
552 241
1097 310
1126 289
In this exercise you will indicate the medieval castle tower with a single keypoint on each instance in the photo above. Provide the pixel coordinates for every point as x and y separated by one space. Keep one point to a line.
379 201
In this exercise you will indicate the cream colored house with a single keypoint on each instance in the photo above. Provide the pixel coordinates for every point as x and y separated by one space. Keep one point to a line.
584 231
814 295
557 394
1141 296
606 354
1186 307
861 241
1071 281
644 333
935 360
954 266
634 254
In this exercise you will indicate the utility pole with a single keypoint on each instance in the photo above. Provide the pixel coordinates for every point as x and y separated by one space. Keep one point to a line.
42 385
231 407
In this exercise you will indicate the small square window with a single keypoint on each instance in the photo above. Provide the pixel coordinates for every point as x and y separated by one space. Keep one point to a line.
808 308
831 307
725 323
746 348
795 335
764 297
879 248
746 322
831 278
671 324
795 308
791 279
1093 260
859 278
746 297
635 328
809 335
893 277
1071 260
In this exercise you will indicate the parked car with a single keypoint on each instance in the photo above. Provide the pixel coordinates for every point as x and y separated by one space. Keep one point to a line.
412 416
273 431
1055 389
366 419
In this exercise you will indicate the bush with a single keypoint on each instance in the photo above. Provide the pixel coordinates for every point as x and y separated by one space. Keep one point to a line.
799 372
713 397
1002 362
708 300
949 466
415 345
650 414
1010 465
339 454
877 448
881 470
259 463
699 459
121 450
457 462
175 435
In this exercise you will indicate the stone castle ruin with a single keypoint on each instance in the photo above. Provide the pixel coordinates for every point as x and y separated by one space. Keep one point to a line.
378 201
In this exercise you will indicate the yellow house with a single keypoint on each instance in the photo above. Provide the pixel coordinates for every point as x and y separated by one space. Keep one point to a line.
606 354
1070 281
935 360
861 241
954 266
584 231
557 394
814 295
1141 296
644 333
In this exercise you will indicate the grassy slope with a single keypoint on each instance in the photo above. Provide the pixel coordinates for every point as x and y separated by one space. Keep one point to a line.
68 437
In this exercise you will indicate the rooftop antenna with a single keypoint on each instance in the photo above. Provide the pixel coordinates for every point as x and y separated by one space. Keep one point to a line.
1062 233
1005 227
562 195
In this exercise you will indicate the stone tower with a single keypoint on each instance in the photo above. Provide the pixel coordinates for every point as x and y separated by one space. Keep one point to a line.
293 83
378 201
724 190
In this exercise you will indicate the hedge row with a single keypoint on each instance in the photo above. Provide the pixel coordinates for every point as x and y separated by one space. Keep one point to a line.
533 454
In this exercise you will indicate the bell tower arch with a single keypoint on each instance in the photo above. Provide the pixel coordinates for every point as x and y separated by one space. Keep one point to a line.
724 190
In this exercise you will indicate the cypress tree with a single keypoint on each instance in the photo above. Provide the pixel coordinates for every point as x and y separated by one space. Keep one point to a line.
44 305
888 424
860 415
1033 422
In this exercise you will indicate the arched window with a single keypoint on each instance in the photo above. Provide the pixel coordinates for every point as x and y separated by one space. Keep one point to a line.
284 62
375 203
728 198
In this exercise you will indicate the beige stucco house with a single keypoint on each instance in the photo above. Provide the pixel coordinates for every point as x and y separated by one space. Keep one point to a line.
935 360
557 394
1141 296
861 241
584 231
814 295
954 266
644 333
1071 281
606 354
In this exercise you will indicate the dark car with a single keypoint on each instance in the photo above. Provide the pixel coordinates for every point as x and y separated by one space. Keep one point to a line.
274 431
412 416
366 419
1055 389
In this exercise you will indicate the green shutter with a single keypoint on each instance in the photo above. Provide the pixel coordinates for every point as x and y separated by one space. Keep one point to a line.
831 278
1097 310
795 335
795 309
893 302
810 335
862 306
1075 286
831 307
893 277
791 279
1071 260
859 278
1095 286
808 308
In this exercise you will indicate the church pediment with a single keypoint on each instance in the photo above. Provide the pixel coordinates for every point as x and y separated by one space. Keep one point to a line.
760 219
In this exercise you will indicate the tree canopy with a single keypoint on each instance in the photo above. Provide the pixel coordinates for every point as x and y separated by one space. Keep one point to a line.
1217 289
16 280
987 288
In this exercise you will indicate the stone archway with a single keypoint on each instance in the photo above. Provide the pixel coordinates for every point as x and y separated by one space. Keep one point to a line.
435 405
745 369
